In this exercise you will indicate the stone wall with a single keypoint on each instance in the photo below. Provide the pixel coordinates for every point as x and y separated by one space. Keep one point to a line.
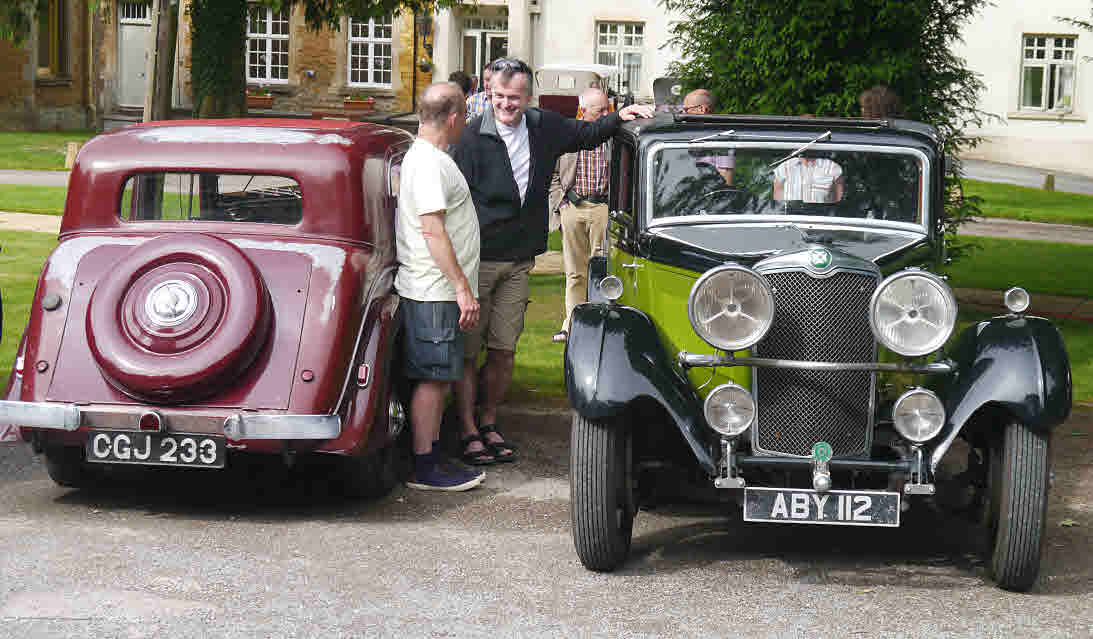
62 101
16 87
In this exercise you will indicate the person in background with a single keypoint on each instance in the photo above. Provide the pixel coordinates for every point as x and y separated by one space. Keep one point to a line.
508 155
880 103
437 245
578 194
463 80
478 102
701 102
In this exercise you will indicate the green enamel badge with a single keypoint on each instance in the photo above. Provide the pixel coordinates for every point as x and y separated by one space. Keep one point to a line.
821 452
819 258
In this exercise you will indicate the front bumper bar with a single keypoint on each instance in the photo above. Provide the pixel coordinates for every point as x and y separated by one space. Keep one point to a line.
237 426
696 360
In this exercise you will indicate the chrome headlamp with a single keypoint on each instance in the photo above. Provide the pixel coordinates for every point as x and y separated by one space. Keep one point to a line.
913 313
918 415
729 409
731 307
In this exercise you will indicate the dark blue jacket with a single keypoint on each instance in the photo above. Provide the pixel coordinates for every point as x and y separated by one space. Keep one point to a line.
511 232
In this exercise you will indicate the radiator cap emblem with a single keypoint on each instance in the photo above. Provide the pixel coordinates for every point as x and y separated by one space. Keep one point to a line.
819 258
821 452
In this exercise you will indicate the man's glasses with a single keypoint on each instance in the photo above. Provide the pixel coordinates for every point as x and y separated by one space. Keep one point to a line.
510 64
697 109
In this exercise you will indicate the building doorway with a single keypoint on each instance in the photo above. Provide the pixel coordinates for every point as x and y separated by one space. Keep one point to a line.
484 40
134 47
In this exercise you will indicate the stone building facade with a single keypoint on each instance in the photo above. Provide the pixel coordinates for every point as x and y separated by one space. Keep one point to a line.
48 82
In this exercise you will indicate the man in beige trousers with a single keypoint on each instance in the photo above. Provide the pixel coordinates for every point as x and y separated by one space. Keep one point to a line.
578 194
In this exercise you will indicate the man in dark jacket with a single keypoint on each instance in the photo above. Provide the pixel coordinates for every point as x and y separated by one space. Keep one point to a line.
507 155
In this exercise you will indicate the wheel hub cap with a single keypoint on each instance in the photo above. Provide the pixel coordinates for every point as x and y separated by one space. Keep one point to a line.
171 303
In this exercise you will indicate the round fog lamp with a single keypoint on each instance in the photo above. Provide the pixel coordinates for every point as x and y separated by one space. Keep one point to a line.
1016 299
611 287
729 409
918 415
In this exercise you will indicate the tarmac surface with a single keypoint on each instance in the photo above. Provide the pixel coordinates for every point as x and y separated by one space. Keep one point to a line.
258 551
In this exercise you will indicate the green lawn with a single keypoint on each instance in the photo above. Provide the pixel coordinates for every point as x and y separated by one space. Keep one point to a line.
1030 204
21 256
538 376
40 151
1039 267
32 199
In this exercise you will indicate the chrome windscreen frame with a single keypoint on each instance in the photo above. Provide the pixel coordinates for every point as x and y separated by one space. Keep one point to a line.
925 215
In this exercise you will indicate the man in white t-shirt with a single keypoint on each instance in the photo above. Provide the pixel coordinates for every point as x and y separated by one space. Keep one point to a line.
810 180
437 243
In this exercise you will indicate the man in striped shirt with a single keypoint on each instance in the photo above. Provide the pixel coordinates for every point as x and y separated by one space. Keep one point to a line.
809 180
477 102
578 196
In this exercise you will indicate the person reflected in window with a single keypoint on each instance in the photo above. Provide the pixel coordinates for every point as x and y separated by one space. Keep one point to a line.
810 180
701 102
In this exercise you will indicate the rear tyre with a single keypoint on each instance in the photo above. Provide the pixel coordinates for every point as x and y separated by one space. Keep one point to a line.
1018 482
66 467
371 475
602 505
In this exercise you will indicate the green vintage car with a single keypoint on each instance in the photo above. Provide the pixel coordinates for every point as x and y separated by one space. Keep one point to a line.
764 330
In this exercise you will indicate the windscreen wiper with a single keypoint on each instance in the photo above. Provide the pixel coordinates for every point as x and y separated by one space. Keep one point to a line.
826 135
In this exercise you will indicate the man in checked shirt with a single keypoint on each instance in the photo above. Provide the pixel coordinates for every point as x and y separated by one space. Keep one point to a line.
578 193
477 102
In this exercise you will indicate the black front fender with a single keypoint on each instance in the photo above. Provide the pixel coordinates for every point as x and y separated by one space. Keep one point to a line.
614 356
1016 363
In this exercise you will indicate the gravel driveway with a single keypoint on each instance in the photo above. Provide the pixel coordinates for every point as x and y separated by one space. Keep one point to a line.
257 552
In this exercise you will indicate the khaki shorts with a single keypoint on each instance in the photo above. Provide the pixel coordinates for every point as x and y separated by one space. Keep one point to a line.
503 298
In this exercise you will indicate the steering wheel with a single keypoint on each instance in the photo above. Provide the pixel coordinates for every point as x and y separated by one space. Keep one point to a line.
727 191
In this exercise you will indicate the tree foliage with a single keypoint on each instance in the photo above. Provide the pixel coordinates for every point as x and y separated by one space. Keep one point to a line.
17 18
817 56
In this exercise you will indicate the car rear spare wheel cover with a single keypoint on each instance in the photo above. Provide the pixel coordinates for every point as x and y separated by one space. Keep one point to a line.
177 316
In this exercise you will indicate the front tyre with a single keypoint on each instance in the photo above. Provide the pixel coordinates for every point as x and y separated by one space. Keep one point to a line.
601 492
1019 481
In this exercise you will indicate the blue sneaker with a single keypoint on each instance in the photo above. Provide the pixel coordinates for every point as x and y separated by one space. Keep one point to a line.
446 477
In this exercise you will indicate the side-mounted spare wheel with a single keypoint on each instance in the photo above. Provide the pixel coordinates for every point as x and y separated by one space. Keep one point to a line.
179 315
1018 482
602 504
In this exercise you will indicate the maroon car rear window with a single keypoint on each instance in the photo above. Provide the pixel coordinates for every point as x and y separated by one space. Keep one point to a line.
211 197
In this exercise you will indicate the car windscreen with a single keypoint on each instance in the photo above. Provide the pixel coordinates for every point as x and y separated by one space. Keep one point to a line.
211 197
719 179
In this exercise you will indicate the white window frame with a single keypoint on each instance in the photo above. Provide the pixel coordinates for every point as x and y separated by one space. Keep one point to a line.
269 37
629 39
371 40
1052 53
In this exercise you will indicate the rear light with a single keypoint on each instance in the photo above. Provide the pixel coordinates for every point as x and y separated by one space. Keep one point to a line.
19 365
152 421
363 375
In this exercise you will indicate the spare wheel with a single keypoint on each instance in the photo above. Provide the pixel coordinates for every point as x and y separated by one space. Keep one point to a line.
178 316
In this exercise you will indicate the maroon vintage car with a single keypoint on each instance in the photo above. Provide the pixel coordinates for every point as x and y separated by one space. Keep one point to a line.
219 286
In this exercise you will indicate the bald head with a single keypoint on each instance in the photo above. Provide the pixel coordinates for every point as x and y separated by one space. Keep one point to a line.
439 101
699 101
593 103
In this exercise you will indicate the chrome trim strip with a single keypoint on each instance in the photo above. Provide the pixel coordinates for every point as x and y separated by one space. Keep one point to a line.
372 295
258 426
697 360
925 214
40 415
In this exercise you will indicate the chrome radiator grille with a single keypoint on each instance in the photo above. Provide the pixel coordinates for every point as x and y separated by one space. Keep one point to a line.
816 320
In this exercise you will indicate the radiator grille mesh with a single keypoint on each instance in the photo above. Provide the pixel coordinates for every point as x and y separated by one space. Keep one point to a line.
816 320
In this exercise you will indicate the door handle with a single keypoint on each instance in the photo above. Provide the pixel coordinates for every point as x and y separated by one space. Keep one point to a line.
634 266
